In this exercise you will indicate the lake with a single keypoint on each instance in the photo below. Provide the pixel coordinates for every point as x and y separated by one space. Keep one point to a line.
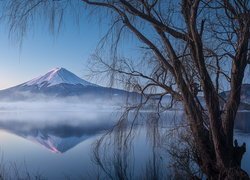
59 144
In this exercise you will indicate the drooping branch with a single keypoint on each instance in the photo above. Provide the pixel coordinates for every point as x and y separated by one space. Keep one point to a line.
185 60
140 36
237 73
155 22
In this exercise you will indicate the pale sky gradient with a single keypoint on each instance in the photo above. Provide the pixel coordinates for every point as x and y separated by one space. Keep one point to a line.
41 51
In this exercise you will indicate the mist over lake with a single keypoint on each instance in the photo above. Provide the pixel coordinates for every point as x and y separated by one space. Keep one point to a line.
58 142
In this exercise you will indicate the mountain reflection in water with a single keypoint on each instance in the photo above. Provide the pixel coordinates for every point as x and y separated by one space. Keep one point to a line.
57 135
66 134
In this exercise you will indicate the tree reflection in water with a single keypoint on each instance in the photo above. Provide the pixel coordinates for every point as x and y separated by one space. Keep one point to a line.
138 146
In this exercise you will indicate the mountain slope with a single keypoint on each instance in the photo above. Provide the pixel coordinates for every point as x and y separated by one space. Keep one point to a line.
55 77
245 97
59 82
245 93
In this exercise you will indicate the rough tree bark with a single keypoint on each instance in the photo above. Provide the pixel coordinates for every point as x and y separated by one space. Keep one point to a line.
219 157
186 38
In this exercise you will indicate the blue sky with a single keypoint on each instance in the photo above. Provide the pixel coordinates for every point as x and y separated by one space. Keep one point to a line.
42 51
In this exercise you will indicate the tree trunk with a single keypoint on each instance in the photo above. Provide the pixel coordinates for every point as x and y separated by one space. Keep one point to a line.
207 149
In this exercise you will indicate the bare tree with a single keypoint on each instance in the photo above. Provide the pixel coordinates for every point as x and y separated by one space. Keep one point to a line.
188 46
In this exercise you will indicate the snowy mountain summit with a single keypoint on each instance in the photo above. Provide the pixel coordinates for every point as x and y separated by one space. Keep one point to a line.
57 76
61 83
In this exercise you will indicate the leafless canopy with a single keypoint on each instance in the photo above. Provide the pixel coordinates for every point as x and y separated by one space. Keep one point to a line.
187 46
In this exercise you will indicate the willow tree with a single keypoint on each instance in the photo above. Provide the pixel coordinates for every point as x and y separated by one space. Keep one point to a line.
191 45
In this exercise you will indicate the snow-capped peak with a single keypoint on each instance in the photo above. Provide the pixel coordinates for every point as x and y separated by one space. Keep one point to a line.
57 76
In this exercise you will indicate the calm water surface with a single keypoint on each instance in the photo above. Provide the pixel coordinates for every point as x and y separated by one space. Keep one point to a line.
58 144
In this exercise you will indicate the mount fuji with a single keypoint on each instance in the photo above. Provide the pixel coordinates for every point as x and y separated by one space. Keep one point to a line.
59 83
55 77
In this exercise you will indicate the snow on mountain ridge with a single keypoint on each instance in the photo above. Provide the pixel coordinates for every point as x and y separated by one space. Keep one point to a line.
55 144
57 76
